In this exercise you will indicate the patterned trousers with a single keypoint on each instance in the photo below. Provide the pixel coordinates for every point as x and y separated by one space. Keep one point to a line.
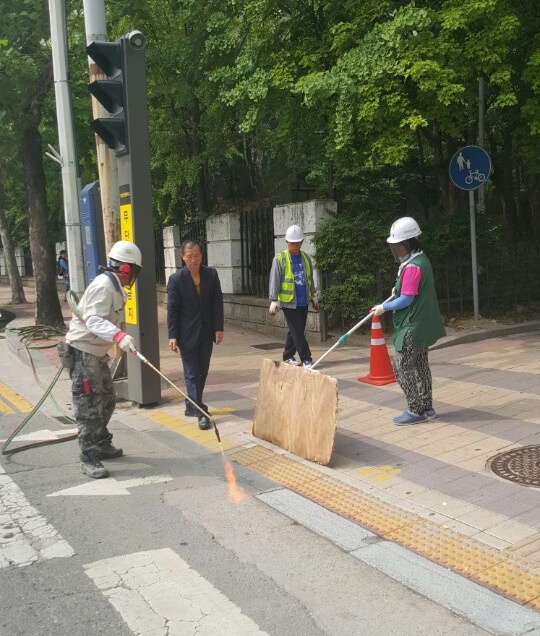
93 399
411 368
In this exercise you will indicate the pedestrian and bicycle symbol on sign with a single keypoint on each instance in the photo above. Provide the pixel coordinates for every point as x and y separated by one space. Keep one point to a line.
470 167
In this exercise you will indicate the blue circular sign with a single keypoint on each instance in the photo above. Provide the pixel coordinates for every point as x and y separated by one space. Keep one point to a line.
470 167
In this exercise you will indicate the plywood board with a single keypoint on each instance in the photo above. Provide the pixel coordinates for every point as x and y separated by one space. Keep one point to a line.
297 410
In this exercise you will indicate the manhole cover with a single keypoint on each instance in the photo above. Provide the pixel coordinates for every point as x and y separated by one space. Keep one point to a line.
520 465
269 345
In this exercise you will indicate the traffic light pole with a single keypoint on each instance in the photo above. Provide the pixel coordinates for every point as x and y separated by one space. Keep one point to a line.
123 94
136 224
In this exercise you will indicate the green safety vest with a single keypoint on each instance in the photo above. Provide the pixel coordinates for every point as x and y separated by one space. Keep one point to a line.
423 317
286 290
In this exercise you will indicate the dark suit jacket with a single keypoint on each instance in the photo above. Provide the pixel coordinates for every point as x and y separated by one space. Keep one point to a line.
187 312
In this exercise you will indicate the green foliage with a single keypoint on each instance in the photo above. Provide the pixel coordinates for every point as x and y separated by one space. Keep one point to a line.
353 252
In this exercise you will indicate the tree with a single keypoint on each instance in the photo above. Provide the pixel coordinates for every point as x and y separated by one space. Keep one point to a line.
26 66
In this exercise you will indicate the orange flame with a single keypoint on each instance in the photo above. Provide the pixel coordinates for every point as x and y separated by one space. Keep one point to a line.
236 493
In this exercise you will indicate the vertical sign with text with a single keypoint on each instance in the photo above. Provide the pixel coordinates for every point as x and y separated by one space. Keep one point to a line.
126 234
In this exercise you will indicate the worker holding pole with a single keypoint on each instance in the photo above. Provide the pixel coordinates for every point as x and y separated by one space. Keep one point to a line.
417 321
95 326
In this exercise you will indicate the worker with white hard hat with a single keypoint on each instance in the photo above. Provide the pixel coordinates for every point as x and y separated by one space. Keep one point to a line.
292 288
96 325
417 321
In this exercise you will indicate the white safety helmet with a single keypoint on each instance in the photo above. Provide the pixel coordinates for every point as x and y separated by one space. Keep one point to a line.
125 259
403 229
294 234
126 252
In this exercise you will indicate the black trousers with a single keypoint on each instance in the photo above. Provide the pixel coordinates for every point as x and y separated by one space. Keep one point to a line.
296 339
196 363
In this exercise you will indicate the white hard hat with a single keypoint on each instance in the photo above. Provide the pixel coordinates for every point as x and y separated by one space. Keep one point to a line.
126 252
403 229
294 234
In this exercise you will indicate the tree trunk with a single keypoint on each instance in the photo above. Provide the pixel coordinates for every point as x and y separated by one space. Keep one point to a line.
48 310
15 282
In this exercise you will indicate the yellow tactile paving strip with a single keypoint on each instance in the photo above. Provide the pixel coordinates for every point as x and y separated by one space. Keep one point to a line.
502 571
190 430
15 399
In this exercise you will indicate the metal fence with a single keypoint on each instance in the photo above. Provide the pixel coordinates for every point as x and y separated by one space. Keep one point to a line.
506 280
257 251
195 230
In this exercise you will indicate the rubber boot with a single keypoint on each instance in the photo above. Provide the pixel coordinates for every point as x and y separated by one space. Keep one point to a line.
91 466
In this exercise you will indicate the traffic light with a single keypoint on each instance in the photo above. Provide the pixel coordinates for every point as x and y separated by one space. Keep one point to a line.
119 61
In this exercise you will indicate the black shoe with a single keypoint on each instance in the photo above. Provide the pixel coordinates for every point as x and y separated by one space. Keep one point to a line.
192 412
204 423
108 451
91 466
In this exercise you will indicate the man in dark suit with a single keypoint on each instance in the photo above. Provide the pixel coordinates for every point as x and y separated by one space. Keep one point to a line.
195 322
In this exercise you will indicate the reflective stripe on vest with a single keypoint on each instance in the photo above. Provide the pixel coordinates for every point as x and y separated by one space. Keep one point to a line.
286 289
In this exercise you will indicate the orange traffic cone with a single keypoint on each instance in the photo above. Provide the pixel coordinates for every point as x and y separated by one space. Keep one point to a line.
380 367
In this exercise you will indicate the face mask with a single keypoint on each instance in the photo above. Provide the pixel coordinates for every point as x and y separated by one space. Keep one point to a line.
397 258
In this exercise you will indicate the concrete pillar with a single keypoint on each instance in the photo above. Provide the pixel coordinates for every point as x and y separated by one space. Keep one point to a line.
224 250
310 216
171 250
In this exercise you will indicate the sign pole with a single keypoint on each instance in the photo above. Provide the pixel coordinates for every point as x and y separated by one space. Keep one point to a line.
473 256
469 168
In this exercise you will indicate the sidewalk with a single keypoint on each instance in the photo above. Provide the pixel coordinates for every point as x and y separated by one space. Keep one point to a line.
427 486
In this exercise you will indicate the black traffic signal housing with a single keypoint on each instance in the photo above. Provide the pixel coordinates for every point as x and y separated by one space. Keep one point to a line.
110 93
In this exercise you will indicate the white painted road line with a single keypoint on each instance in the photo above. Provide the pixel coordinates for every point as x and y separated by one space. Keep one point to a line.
109 486
44 434
25 535
158 594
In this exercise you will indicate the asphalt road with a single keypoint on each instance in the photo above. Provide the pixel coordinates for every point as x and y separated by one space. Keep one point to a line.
160 549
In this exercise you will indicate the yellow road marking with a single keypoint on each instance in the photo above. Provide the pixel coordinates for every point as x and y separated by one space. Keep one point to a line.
5 409
19 402
190 430
378 473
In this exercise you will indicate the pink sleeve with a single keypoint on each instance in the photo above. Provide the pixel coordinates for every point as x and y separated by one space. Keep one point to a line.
412 275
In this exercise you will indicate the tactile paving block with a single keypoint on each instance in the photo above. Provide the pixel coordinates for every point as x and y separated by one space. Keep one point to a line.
499 570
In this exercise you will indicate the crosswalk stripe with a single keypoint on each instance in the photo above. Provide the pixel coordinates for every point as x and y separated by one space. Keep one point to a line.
25 535
156 592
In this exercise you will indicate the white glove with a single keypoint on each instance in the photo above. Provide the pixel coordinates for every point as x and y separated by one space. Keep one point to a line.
127 344
315 303
378 310
275 306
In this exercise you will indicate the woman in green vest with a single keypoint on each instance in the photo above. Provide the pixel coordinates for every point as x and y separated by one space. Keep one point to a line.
417 321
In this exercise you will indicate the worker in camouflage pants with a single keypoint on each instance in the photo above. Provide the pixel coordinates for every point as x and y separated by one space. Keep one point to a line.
93 402
92 330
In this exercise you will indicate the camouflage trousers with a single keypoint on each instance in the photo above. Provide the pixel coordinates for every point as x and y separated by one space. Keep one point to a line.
93 399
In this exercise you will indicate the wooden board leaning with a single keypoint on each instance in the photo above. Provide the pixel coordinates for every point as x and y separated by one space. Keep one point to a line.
297 410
